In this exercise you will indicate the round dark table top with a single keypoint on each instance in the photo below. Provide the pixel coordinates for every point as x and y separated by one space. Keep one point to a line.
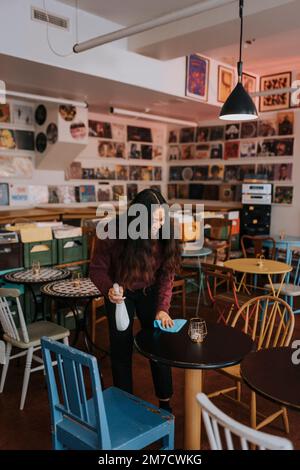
272 374
223 346
70 289
46 274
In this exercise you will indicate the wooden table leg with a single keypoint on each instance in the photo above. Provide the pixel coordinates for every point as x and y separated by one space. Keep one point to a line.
192 410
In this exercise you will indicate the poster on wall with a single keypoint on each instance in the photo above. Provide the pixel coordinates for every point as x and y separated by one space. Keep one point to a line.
216 173
249 130
276 101
197 75
121 172
25 140
249 82
248 149
18 195
22 114
73 124
7 139
66 194
4 194
216 151
231 150
15 167
267 127
104 192
118 132
283 195
38 194
100 129
4 113
132 190
283 172
225 83
173 137
202 134
285 123
139 134
158 136
118 192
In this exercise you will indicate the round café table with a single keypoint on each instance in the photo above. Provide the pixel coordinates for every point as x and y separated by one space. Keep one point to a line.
74 293
268 268
223 346
197 253
30 280
272 374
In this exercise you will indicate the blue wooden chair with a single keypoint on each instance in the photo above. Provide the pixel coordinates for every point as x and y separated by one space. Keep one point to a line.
111 419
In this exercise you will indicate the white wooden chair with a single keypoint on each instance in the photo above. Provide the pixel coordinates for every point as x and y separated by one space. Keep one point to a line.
218 425
26 338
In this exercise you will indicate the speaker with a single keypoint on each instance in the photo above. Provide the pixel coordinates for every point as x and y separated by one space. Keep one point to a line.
255 219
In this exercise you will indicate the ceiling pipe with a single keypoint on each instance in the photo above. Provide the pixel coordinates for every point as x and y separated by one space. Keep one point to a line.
42 98
275 91
151 24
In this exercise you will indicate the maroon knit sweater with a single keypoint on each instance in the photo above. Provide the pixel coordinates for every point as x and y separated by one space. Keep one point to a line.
103 272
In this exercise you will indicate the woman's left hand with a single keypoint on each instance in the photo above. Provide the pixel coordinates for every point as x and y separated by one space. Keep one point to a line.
165 319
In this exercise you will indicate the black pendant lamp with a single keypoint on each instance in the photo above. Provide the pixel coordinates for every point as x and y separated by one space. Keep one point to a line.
239 106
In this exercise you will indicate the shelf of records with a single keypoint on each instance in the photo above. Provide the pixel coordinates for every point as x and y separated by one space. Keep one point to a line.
114 172
123 132
229 141
223 192
112 140
232 173
22 195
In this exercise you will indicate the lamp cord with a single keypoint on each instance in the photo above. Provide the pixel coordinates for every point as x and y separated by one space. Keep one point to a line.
240 63
59 54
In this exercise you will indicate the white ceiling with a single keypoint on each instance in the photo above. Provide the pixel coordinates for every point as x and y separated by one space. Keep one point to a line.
100 93
276 53
129 12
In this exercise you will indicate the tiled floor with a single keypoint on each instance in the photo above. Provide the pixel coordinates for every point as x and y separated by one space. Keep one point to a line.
30 429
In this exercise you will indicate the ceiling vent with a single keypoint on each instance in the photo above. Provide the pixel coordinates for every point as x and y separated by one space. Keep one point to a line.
49 18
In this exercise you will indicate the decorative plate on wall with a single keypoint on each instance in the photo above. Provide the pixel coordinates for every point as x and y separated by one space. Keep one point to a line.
40 114
52 133
41 142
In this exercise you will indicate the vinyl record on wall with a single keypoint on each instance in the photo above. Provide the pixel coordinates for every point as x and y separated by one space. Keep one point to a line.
40 114
41 142
52 133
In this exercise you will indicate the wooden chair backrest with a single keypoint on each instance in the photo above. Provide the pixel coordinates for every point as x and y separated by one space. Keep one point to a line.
256 242
220 229
7 318
269 321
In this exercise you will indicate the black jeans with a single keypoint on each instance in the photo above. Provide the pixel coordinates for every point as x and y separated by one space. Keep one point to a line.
143 303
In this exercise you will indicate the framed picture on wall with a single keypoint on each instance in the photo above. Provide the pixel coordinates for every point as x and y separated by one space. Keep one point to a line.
249 82
225 83
197 72
283 195
276 101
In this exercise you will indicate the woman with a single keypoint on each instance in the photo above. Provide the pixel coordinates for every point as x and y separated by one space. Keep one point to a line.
144 268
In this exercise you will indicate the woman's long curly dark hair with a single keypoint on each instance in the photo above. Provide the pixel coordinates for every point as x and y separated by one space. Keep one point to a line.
137 256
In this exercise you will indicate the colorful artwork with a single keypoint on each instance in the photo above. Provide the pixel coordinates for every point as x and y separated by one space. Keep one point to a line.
275 101
284 195
225 83
197 72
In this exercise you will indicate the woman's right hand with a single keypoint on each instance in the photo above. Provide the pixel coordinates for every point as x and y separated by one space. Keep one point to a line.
116 298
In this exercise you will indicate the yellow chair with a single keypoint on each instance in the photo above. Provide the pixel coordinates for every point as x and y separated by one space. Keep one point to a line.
270 323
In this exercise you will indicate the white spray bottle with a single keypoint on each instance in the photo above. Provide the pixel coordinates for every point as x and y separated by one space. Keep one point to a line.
122 318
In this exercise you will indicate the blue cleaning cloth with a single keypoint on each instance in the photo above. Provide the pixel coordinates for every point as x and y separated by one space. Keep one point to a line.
178 324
